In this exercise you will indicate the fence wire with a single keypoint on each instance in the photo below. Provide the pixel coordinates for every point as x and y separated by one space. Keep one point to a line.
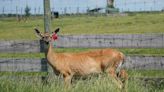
78 6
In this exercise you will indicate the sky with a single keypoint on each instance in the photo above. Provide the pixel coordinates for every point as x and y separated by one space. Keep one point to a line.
72 6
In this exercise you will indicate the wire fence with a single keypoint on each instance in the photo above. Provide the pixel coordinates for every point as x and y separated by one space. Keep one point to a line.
144 5
18 6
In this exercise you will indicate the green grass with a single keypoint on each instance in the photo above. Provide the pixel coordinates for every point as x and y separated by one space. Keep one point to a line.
22 55
127 52
139 23
101 83
131 73
23 74
146 73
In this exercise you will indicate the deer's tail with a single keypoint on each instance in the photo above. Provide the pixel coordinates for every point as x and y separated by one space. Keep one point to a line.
121 62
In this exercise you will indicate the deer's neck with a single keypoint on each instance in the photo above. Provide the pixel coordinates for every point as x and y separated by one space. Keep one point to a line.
51 55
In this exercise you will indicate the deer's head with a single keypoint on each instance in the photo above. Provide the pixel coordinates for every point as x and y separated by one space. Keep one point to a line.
47 37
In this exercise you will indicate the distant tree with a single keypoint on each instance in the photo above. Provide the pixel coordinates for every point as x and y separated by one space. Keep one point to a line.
110 3
27 11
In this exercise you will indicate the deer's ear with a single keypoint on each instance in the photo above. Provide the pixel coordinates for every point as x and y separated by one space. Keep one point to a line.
57 30
38 33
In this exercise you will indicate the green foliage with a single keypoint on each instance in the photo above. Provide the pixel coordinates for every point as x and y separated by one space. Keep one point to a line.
27 11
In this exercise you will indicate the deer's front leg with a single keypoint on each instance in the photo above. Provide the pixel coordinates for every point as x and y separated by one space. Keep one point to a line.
67 79
113 75
123 75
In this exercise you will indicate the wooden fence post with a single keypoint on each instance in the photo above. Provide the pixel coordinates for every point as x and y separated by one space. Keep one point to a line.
47 28
47 16
47 21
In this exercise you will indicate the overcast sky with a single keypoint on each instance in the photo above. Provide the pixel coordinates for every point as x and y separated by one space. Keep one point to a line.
9 6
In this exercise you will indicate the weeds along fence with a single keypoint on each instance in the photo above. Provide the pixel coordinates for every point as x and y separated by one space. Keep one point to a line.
83 41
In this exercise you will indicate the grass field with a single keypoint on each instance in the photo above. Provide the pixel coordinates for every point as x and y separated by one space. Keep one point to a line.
136 24
10 29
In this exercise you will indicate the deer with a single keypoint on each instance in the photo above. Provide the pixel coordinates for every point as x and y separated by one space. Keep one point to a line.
84 63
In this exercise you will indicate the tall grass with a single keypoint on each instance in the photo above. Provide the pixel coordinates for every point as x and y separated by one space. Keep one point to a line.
101 83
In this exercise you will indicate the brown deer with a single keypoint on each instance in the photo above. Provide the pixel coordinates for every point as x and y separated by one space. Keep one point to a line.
70 64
